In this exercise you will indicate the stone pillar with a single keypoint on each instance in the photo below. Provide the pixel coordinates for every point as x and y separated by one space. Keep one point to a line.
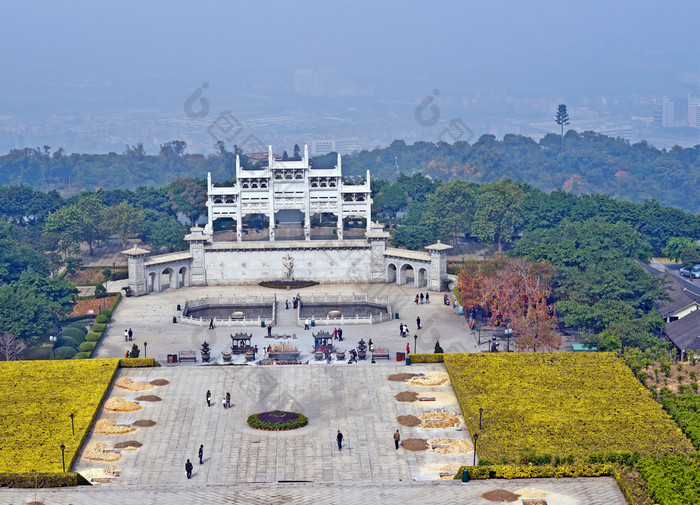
369 202
271 194
210 206
377 238
307 203
239 203
137 276
438 265
198 271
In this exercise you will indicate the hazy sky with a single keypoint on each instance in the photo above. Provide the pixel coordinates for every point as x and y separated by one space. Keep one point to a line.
58 57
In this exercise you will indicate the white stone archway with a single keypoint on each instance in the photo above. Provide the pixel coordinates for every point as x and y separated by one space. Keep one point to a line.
167 276
391 273
153 282
421 278
183 277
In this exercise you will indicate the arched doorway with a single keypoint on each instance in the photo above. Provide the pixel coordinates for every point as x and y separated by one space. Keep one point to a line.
407 274
151 283
422 277
182 277
391 273
166 279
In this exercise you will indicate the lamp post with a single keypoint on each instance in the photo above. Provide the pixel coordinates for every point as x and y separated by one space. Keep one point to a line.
415 344
72 424
508 333
481 410
63 457
53 339
145 349
476 435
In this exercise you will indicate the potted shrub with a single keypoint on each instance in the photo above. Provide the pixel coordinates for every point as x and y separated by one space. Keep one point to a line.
362 349
206 352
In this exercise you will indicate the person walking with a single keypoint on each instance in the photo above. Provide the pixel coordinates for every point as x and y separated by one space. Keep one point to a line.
418 322
340 334
417 299
335 333
126 335
286 304
307 323
208 398
201 454
188 469
408 348
228 400
269 329
211 323
427 297
223 401
339 438
397 439
130 334
421 298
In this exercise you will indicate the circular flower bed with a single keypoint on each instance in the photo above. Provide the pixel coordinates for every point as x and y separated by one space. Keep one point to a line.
277 420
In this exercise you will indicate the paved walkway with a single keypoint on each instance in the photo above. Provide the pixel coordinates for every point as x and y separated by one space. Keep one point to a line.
591 491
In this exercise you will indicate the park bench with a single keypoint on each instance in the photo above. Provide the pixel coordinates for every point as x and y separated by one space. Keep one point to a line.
188 356
380 352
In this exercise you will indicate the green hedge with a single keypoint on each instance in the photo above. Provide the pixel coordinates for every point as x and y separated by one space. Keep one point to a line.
106 312
82 327
114 304
82 355
427 358
256 423
98 328
534 472
101 319
30 480
66 342
65 352
73 333
87 346
137 362
93 337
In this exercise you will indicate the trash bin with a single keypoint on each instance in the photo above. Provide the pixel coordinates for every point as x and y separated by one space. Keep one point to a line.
396 315
313 323
465 475
174 319
262 324
408 361
400 356
178 307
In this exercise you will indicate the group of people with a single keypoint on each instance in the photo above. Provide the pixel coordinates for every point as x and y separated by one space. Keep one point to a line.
338 334
188 465
225 400
420 298
403 330
296 302
128 335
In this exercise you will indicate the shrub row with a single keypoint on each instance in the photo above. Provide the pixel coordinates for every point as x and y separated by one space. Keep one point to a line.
288 284
255 422
30 480
427 358
534 472
137 362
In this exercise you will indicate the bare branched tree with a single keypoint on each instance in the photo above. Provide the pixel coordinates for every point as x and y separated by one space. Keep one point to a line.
11 347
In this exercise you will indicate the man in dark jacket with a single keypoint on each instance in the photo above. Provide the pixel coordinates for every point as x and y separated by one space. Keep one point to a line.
188 469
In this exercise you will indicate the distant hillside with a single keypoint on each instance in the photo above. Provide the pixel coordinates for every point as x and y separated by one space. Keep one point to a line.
590 163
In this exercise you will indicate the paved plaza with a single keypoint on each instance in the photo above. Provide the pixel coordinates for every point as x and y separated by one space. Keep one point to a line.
150 318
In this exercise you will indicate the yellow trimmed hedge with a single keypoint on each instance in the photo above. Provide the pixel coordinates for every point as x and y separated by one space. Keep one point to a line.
559 404
37 398
427 358
534 472
136 362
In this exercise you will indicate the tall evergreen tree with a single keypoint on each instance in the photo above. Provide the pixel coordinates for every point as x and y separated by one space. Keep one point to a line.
562 119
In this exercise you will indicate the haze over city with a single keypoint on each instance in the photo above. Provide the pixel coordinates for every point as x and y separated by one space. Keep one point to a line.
95 77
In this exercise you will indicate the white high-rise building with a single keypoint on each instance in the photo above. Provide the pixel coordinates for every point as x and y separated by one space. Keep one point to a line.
694 111
663 112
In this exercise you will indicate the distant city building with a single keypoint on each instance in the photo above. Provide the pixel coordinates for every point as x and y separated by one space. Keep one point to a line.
663 112
694 111
315 82
340 146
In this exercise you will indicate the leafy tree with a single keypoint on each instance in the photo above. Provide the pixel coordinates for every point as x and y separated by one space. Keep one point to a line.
675 246
24 313
76 223
450 209
188 196
690 256
100 291
60 294
390 200
499 212
562 119
123 219
297 152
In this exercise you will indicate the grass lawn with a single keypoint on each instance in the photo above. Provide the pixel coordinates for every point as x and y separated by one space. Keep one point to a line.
37 398
559 404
